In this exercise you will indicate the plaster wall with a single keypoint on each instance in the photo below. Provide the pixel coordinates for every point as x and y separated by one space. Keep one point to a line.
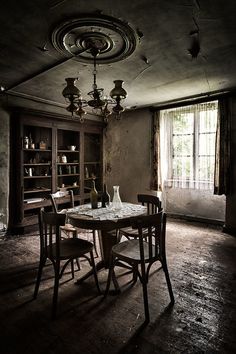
127 147
230 219
128 164
4 168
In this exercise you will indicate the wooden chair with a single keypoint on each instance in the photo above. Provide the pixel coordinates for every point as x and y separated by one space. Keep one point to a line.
60 251
153 205
142 252
58 198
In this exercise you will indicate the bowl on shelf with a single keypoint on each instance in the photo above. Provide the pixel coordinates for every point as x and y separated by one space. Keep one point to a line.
72 147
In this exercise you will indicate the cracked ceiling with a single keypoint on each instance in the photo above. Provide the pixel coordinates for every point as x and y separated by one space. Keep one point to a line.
185 48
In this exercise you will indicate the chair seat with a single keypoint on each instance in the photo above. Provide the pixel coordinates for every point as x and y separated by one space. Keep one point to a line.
130 251
71 248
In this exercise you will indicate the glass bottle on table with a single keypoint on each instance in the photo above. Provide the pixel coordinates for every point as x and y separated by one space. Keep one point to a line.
116 201
105 197
94 196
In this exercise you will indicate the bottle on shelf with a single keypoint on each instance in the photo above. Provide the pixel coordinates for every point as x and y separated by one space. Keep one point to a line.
105 197
94 196
86 172
26 142
31 143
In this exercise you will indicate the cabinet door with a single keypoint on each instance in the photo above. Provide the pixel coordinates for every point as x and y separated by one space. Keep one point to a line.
68 164
92 161
37 164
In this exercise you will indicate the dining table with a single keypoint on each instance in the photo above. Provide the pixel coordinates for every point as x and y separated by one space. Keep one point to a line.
107 222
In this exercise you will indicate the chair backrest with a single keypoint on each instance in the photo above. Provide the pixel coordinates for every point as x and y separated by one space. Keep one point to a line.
62 197
152 203
152 231
49 229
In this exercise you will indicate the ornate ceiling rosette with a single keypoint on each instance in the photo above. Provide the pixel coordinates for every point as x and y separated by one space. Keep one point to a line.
114 39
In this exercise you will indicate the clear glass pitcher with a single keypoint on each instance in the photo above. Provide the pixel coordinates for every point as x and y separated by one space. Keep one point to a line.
116 201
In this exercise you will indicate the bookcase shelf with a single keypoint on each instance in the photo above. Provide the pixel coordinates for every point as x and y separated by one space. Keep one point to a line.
37 172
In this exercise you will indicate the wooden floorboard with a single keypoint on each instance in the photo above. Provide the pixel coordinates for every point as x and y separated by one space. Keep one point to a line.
202 268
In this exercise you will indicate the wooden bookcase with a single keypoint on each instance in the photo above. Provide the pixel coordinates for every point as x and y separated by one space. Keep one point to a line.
60 153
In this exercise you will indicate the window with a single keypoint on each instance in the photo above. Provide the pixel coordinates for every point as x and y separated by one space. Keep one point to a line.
187 143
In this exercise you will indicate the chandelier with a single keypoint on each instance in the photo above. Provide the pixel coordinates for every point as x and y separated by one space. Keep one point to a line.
94 39
98 102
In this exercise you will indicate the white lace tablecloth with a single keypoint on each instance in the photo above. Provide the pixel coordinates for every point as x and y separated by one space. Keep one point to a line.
109 213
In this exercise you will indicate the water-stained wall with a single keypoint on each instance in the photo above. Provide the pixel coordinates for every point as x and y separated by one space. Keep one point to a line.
4 168
127 154
127 161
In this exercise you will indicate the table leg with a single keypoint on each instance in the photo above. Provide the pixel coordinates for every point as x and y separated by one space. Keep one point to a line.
107 239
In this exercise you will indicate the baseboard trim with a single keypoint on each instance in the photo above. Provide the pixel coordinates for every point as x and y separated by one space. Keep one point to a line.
229 230
196 219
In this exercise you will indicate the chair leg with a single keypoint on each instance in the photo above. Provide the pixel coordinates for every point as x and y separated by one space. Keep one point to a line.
135 273
39 275
55 293
94 271
95 243
115 282
72 269
78 263
165 269
145 293
145 300
111 270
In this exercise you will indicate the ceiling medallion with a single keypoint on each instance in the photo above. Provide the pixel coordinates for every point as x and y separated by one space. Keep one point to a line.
115 39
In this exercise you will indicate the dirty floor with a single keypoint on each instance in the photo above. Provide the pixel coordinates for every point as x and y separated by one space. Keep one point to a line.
202 268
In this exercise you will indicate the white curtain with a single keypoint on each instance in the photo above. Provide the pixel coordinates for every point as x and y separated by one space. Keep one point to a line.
187 146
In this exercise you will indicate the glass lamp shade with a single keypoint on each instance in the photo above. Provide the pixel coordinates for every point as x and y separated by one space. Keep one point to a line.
71 92
118 91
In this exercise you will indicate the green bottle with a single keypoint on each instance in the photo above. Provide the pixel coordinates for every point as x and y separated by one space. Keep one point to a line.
105 197
94 196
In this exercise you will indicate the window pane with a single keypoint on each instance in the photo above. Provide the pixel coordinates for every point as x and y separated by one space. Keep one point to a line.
208 121
190 145
183 145
206 168
207 144
182 168
183 123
